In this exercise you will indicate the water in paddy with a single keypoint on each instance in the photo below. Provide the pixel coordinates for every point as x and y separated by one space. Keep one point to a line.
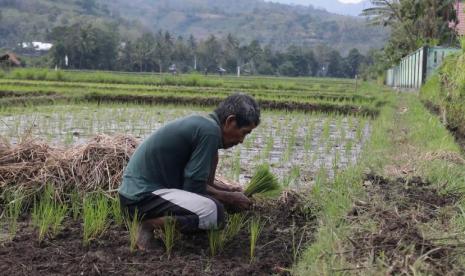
296 145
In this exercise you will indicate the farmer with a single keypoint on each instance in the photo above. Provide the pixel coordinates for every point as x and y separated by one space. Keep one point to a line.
172 173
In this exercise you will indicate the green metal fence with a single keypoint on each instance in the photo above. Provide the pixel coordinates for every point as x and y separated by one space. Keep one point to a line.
414 69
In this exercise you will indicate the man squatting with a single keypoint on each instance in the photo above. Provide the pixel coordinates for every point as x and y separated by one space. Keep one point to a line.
172 173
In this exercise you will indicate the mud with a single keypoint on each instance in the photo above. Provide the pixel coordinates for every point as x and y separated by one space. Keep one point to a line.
65 254
399 209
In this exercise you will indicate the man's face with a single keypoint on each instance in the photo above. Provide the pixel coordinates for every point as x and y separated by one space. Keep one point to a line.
232 134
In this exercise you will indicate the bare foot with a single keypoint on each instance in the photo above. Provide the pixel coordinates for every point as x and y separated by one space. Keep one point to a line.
146 240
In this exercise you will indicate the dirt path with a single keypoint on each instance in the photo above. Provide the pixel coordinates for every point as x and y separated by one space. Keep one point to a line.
402 226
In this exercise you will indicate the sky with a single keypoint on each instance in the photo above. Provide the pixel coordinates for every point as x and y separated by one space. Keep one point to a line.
347 7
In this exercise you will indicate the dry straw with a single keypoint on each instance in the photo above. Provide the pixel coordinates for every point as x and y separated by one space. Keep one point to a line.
95 165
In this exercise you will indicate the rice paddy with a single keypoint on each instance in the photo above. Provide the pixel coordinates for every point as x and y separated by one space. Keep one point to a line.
295 144
311 129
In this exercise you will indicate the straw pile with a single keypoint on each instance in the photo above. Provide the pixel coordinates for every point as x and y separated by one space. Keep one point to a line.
95 165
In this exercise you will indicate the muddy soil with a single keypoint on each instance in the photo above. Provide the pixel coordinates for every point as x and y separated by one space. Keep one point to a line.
66 255
399 209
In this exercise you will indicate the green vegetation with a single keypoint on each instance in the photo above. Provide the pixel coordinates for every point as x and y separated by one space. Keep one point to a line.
256 226
76 204
215 241
140 88
116 212
233 226
405 135
14 206
444 92
169 234
263 181
132 225
48 214
285 138
256 20
96 211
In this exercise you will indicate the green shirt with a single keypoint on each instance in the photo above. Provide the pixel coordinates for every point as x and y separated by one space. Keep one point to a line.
179 155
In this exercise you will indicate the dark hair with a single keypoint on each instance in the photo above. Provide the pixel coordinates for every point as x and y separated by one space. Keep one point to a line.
244 107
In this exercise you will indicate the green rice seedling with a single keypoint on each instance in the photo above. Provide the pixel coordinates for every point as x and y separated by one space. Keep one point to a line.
256 227
308 138
169 234
42 213
233 226
60 211
236 165
290 144
348 147
292 177
13 211
360 128
296 245
249 141
326 128
29 75
133 227
268 146
75 202
328 146
336 160
95 216
262 181
48 214
116 212
41 75
215 241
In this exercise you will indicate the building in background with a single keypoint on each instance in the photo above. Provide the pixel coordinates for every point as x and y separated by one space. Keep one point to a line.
9 60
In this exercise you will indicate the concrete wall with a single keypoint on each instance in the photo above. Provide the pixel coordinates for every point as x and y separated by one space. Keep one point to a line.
414 69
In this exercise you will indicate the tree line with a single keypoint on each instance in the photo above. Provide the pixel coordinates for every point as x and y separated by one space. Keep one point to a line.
87 46
413 24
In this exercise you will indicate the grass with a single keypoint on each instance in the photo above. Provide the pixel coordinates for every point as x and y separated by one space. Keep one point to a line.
333 200
233 226
13 211
116 211
132 225
262 181
96 212
256 226
169 234
406 134
148 88
48 214
76 204
215 241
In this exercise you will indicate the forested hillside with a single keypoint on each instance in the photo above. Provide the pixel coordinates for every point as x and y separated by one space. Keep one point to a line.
274 24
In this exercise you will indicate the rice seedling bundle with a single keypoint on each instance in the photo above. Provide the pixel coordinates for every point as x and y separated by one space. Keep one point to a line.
262 181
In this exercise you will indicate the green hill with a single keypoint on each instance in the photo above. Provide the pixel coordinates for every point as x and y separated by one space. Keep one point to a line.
275 24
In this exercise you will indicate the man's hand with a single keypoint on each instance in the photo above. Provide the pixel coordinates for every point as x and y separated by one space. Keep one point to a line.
239 200
223 184
236 200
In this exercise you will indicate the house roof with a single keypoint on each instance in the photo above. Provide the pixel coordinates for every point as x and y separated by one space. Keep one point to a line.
11 58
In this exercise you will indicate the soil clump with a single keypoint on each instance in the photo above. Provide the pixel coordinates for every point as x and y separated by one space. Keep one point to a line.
399 208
